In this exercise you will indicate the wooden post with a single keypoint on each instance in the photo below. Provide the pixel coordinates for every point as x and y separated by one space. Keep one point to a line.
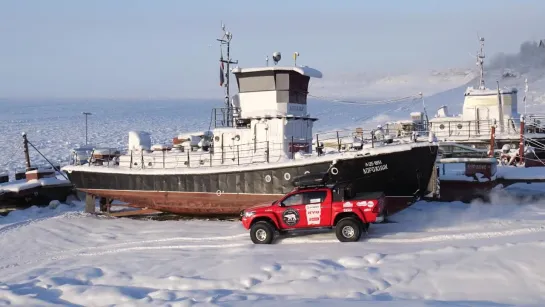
521 142
89 203
25 149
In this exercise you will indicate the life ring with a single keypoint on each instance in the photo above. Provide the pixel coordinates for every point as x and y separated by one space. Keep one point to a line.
307 172
219 192
287 176
334 171
268 178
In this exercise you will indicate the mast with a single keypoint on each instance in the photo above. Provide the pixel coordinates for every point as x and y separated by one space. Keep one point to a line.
480 62
525 93
226 40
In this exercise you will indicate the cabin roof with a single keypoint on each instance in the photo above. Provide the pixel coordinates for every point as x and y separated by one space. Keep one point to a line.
303 70
488 92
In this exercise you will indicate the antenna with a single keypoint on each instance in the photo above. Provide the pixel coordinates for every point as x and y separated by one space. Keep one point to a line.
226 40
525 93
295 55
480 63
424 105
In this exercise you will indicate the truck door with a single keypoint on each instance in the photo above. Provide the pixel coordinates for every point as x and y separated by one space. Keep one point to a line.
305 209
317 208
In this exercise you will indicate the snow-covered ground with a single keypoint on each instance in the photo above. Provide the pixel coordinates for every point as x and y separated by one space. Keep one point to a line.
438 254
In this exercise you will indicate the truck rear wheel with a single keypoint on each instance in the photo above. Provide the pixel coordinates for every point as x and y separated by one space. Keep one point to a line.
262 233
348 230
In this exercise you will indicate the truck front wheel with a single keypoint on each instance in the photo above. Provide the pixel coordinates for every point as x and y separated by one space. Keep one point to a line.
262 233
348 230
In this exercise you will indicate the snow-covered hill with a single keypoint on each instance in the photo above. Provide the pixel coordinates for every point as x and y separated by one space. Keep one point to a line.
445 87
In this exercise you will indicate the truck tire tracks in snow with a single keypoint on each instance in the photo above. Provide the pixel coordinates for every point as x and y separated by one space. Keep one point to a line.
462 236
17 225
120 247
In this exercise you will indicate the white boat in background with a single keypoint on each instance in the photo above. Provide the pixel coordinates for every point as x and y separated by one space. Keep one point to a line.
486 114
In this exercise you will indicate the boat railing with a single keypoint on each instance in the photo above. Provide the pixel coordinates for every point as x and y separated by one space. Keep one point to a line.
466 129
223 117
234 154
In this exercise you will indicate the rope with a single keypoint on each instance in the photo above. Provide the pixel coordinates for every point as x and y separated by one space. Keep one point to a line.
58 170
364 103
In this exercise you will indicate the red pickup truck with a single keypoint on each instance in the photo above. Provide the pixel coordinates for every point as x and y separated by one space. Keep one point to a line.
312 208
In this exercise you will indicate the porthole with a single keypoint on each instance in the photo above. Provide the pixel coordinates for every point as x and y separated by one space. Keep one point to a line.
217 138
441 126
459 126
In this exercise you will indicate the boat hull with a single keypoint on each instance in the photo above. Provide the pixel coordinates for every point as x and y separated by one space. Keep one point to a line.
402 173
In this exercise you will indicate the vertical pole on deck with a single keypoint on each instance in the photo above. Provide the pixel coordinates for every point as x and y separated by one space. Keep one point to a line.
372 139
25 149
267 152
492 140
521 142
292 148
130 166
338 142
238 155
222 152
86 114
317 144
210 152
164 152
188 162
142 158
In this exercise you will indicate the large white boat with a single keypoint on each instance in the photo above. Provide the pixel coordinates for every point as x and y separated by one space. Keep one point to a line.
260 141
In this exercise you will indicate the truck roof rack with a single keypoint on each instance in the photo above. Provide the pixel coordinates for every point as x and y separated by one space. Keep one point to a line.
311 180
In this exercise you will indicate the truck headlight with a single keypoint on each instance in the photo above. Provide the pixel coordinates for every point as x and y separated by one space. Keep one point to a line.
249 213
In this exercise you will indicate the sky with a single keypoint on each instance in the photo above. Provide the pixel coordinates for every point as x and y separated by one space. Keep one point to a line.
141 49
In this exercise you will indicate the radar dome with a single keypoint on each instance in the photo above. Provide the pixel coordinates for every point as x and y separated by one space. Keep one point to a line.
276 57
